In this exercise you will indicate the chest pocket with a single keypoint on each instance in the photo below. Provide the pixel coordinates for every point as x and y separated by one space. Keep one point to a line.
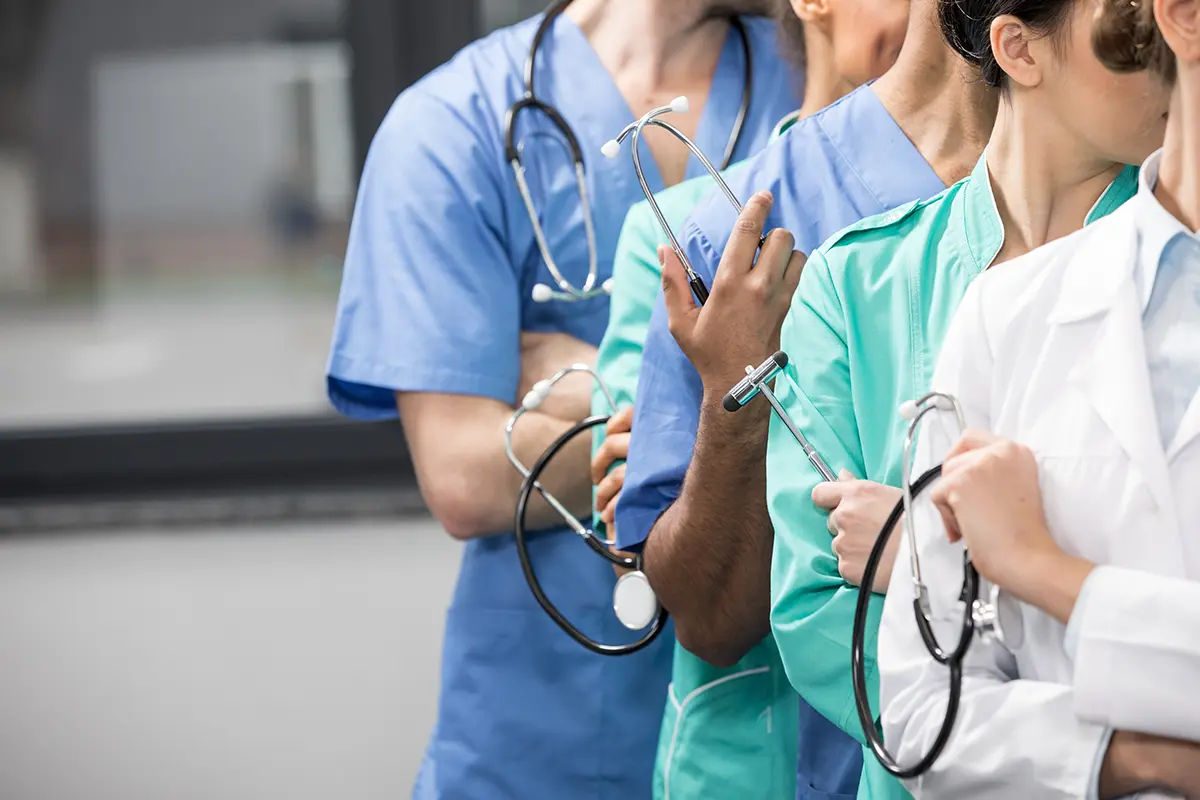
1089 485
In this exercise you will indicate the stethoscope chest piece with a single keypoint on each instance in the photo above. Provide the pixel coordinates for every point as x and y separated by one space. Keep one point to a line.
634 601
1000 619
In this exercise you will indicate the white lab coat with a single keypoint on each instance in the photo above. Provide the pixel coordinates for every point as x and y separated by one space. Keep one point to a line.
1047 350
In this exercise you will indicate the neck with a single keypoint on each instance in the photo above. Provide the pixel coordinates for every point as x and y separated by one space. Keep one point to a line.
822 82
1179 173
676 39
936 98
1043 183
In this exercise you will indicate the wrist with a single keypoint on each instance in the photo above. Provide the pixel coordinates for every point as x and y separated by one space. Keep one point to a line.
1049 579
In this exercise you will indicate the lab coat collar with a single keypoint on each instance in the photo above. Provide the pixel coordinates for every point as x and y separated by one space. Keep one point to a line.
1113 375
1103 262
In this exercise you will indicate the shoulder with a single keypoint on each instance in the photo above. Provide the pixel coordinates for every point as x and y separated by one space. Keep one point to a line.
882 229
463 100
793 167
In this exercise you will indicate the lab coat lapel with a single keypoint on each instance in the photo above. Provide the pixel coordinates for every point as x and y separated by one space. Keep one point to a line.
1112 373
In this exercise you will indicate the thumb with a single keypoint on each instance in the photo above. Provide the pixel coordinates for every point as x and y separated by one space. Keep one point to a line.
677 293
846 475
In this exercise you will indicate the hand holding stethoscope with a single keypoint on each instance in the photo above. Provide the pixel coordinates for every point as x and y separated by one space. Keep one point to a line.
996 618
634 601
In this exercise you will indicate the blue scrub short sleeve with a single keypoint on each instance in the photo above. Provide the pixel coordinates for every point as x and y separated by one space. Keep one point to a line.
667 409
430 297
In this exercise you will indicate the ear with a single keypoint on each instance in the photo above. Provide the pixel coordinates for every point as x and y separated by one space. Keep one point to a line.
1016 50
812 12
1179 21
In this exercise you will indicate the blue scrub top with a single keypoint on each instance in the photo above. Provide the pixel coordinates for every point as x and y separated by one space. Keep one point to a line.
436 291
830 170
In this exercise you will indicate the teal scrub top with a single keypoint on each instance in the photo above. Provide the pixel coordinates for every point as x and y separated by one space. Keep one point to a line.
862 337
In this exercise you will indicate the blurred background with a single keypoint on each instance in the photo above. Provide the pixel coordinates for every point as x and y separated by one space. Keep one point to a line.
210 587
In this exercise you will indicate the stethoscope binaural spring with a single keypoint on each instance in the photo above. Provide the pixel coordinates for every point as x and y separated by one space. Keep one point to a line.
566 290
996 618
612 149
634 601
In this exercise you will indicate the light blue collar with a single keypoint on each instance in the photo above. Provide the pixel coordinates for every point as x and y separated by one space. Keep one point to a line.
1156 228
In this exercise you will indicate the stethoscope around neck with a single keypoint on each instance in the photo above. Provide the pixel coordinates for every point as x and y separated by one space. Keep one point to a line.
567 291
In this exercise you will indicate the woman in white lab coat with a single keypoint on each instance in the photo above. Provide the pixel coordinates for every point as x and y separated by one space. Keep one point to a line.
1077 491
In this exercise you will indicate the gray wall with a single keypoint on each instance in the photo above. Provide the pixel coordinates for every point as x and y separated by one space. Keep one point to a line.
294 663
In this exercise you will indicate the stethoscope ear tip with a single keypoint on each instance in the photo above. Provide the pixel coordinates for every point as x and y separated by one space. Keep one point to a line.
611 148
607 286
680 105
908 410
542 293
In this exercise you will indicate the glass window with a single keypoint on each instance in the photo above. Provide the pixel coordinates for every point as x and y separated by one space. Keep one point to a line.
176 184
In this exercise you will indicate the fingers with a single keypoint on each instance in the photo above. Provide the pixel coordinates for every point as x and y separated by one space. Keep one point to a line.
940 495
608 490
792 272
677 294
620 422
615 448
971 439
828 494
845 475
747 233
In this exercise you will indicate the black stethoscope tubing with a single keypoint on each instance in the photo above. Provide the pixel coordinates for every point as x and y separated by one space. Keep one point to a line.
528 487
953 659
530 99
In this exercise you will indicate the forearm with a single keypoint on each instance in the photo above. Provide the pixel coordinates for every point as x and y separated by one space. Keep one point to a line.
1050 580
1137 763
458 450
709 555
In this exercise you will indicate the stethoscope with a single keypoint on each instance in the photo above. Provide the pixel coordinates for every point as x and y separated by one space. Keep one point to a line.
514 154
997 618
634 602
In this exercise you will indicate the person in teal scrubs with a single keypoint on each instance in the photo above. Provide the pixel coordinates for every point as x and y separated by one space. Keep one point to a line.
874 302
706 538
437 320
715 741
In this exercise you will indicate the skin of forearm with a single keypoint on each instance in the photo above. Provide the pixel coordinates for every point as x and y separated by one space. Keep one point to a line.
1138 762
709 555
1051 581
470 485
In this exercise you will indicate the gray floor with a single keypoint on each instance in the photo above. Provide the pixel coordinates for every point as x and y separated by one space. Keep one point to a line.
297 662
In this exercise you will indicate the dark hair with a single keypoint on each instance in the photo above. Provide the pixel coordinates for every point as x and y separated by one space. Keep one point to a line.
1127 39
791 33
967 25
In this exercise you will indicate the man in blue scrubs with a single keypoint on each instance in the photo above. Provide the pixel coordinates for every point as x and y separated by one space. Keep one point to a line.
436 319
707 539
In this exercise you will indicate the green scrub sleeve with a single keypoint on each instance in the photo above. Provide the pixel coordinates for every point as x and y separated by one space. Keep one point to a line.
812 606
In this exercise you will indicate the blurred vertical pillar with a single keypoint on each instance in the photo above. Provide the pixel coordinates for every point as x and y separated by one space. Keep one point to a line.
394 43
